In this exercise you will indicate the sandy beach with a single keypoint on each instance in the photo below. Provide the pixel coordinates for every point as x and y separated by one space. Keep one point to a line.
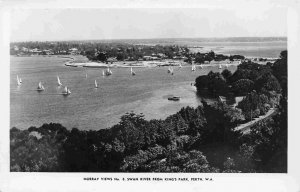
74 62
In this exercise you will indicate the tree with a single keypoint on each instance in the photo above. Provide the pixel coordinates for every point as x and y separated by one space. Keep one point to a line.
216 84
188 60
199 58
226 74
101 57
201 83
267 82
242 87
280 70
249 104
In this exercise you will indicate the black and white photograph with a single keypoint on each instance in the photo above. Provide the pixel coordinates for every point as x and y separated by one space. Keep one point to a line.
162 90
148 90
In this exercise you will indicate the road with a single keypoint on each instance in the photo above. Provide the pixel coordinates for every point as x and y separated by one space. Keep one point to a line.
245 128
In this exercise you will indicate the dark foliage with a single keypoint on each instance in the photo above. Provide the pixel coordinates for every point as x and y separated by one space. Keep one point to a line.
242 87
215 83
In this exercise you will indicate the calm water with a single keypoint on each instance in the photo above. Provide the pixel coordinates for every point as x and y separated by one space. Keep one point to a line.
248 49
251 49
90 108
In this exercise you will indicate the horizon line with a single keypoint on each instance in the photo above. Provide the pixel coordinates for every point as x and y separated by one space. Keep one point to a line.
158 38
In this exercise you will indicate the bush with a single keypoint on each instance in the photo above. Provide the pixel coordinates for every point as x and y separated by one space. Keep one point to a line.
242 87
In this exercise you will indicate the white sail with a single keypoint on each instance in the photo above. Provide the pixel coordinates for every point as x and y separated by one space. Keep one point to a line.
96 85
180 65
103 73
58 81
40 87
226 65
193 67
132 72
18 80
66 91
220 66
108 71
169 70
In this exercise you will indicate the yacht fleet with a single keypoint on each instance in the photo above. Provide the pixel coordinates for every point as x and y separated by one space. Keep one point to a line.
66 91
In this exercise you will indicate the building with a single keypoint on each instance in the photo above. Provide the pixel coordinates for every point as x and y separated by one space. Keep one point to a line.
73 51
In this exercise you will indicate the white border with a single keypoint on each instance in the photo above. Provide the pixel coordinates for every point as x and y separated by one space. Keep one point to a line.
228 182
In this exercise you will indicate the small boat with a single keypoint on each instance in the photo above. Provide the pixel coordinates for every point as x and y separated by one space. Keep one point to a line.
96 85
220 66
66 91
169 70
19 81
40 87
132 72
193 67
174 98
108 72
86 75
58 81
201 67
172 73
103 73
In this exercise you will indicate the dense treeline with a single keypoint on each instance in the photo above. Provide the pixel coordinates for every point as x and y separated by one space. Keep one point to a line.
260 85
101 51
120 51
203 57
201 139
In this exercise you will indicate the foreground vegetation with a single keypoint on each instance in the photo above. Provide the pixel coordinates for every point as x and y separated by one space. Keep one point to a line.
199 139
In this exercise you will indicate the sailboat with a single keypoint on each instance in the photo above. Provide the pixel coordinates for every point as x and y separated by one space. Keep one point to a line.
96 85
180 65
193 67
201 66
86 75
40 87
132 72
220 66
58 81
169 70
103 74
66 91
19 81
172 71
108 72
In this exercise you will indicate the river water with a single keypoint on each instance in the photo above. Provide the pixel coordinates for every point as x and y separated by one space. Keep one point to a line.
89 108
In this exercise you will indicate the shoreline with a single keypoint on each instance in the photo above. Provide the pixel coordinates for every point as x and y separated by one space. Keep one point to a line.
143 64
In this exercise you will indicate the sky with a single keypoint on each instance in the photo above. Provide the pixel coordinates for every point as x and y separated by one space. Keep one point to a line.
143 23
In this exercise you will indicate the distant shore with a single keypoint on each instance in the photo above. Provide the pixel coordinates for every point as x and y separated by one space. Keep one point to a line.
141 64
82 61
